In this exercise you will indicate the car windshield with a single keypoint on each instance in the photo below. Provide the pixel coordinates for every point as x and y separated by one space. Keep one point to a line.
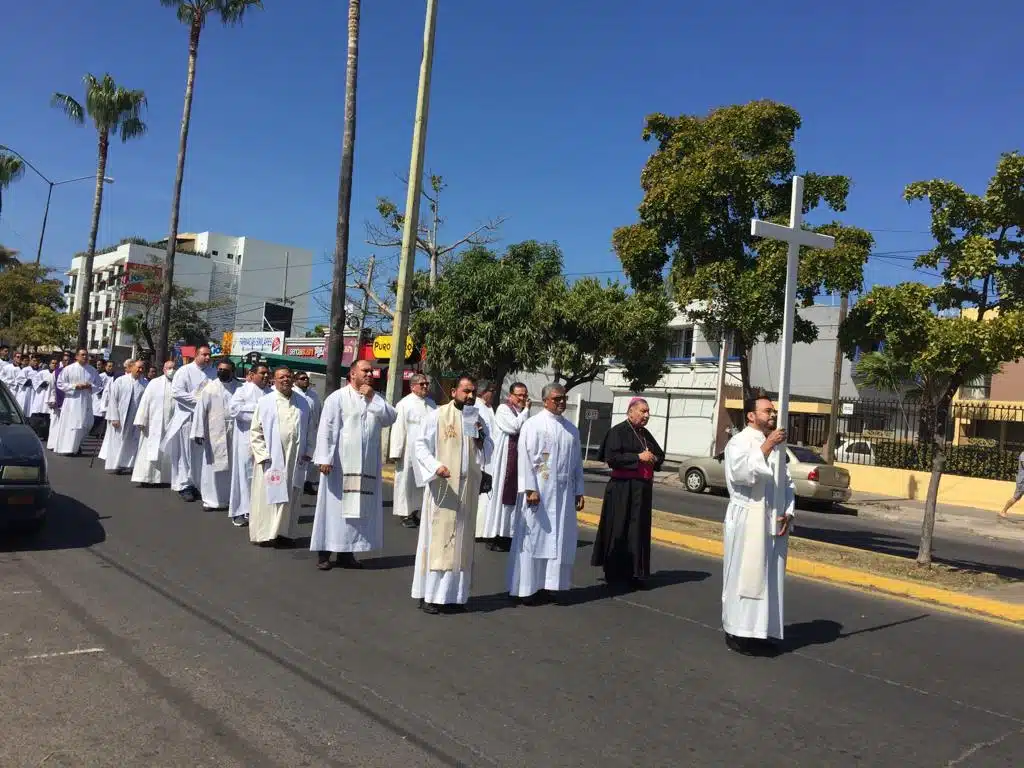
9 413
805 455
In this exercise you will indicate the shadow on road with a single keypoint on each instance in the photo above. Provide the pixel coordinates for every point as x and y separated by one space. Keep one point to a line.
893 545
389 562
70 524
826 631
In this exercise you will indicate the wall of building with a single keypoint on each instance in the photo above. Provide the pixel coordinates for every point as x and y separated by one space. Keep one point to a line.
1008 384
262 278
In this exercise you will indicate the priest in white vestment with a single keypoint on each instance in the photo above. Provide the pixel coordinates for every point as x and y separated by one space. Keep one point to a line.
6 372
100 394
40 416
282 444
350 502
485 394
304 387
755 544
121 440
186 386
551 479
242 408
451 452
494 520
212 430
154 414
76 382
410 413
25 383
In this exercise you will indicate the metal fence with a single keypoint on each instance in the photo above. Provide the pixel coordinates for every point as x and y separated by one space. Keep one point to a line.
981 439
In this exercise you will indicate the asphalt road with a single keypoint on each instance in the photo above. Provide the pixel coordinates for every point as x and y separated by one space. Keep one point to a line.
844 527
141 631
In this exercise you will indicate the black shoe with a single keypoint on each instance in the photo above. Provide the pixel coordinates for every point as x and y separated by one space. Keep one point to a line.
411 521
740 645
429 608
189 495
348 560
323 561
309 489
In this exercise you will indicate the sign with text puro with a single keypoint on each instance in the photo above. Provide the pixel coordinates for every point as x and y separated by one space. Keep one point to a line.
244 342
382 347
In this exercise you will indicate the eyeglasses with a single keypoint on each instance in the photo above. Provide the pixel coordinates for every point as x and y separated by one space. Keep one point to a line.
558 399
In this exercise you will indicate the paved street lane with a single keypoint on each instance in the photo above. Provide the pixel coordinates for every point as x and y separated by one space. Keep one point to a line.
212 651
836 527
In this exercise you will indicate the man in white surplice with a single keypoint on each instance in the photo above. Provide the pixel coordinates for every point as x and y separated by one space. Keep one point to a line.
754 566
187 385
494 521
485 393
212 430
26 385
121 439
350 503
411 411
282 444
40 416
76 382
156 409
551 479
451 452
242 408
304 387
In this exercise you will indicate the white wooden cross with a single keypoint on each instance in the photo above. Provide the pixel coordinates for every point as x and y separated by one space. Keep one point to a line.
795 235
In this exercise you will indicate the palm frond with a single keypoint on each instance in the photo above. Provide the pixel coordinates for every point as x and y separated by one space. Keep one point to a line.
132 128
11 169
69 107
232 11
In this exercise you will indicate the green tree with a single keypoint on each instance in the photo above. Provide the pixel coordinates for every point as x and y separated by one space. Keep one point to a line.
27 292
114 110
978 248
317 332
491 314
50 328
11 169
8 257
194 15
707 178
189 318
594 322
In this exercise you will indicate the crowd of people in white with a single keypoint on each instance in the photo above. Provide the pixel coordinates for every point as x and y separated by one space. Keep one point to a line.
464 472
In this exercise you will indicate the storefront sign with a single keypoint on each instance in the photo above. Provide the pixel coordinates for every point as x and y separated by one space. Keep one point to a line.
269 342
382 347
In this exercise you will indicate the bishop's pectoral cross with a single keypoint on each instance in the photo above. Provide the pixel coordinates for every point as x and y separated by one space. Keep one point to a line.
795 235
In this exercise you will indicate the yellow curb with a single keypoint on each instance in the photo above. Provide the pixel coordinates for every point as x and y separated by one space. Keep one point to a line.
822 572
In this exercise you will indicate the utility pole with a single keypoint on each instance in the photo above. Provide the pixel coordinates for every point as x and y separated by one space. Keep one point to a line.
723 358
410 226
284 288
837 379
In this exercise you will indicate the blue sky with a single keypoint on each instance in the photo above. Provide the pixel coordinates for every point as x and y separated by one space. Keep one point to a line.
536 111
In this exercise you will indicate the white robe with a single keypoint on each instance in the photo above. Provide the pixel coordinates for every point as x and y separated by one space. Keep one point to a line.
754 565
347 419
155 411
289 418
41 392
51 402
25 384
544 543
213 423
484 501
315 407
8 371
100 395
76 413
241 410
432 586
495 519
186 386
410 413
121 443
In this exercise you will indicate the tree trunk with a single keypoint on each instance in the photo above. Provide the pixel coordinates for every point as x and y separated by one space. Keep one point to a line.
938 441
90 254
744 355
163 328
336 340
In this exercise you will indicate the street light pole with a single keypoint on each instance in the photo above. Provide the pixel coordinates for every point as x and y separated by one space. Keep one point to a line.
49 193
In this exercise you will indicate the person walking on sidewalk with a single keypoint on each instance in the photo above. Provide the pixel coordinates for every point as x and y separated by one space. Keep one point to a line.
1018 492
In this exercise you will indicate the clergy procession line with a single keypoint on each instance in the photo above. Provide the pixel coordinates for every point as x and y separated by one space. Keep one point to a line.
475 471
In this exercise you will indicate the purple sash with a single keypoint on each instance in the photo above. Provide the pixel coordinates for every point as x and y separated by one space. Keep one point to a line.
511 488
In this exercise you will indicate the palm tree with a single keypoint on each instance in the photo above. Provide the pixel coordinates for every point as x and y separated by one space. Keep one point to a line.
113 110
336 340
193 14
11 169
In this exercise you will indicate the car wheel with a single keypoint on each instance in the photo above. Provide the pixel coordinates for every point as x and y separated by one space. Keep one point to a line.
695 481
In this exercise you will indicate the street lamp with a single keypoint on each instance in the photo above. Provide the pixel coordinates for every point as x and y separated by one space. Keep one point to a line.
52 184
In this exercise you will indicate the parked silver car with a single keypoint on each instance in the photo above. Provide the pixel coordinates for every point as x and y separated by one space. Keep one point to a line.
814 479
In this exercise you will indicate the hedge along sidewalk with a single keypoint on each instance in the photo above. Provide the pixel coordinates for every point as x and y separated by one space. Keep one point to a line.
941 584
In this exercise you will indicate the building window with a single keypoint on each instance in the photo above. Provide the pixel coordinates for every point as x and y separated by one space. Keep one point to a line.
979 388
215 253
681 346
231 257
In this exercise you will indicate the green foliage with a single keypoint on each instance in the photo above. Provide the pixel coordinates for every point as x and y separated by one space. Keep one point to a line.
11 169
50 328
708 177
188 316
491 313
196 12
317 332
29 298
112 108
593 322
966 460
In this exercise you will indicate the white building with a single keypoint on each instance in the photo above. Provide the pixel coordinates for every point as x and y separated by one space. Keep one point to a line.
683 400
241 274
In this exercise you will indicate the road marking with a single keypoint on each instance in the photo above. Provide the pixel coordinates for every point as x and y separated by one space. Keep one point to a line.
21 592
76 652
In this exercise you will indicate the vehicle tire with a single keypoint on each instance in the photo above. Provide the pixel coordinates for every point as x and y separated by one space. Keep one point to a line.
695 481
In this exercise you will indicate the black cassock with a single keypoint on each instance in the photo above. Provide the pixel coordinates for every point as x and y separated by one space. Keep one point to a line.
623 543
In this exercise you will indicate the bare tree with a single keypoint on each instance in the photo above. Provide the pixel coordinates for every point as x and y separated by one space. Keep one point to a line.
388 233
